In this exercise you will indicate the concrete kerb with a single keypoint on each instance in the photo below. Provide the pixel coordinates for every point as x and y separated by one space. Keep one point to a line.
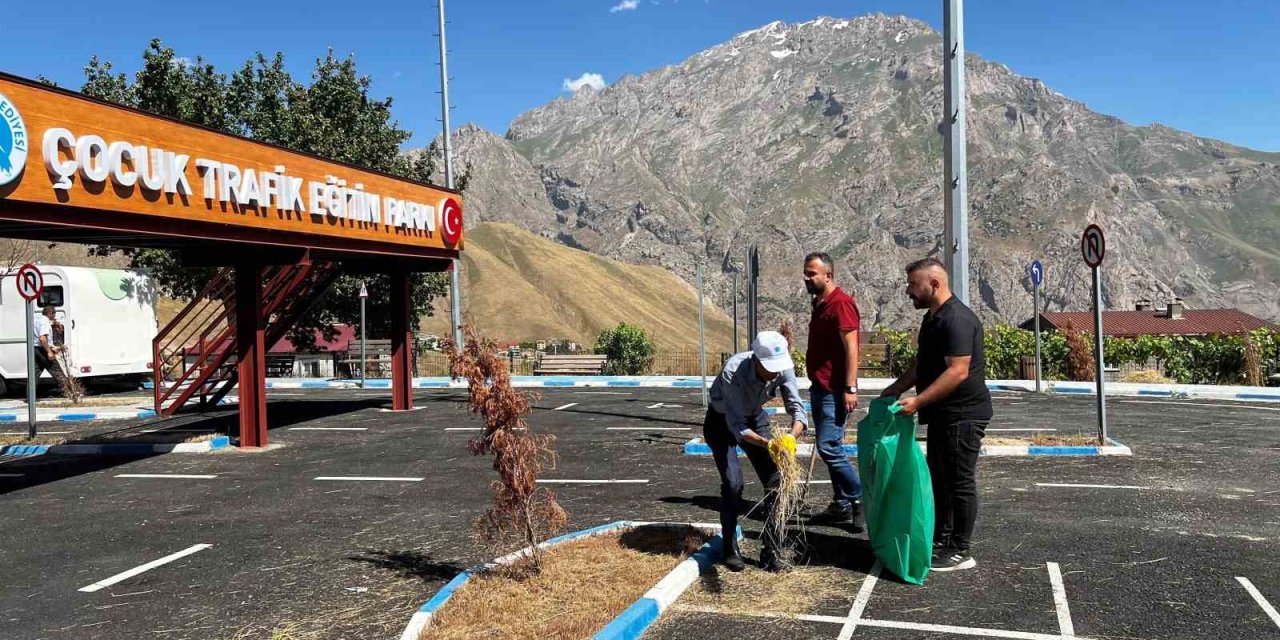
635 619
1178 391
697 447
80 416
125 449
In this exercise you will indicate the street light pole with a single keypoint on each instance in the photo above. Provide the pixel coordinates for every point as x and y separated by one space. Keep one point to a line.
955 248
364 296
455 280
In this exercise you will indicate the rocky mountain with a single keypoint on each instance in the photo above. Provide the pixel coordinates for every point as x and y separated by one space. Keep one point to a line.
824 136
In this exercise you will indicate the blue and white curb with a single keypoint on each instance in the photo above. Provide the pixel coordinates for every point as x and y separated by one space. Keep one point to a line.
128 449
628 625
697 447
1182 391
81 416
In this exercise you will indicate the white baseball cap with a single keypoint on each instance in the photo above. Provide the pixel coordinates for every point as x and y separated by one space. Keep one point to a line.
771 349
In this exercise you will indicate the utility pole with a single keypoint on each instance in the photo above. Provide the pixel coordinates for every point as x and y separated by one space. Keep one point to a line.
455 278
702 338
364 297
955 240
735 310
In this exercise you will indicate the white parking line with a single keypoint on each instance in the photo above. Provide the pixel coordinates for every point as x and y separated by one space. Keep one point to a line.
860 603
1262 602
328 428
647 428
1232 405
176 431
604 393
593 482
369 479
1089 486
566 406
990 430
1060 602
177 476
120 577
885 624
12 475
472 428
663 405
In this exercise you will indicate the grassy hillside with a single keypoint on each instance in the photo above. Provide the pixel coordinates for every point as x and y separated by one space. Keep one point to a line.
518 286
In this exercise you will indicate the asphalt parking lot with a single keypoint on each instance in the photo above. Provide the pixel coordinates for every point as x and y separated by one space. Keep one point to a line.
357 515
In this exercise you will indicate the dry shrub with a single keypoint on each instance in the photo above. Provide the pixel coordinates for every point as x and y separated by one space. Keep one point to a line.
787 332
1146 376
1080 365
521 511
1252 361
69 385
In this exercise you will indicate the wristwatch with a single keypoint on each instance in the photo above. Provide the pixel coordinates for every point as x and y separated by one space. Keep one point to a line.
851 389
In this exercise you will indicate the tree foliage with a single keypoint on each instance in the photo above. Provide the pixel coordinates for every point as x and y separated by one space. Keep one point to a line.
629 350
333 116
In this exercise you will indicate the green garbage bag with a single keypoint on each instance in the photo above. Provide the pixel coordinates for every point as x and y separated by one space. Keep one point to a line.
897 496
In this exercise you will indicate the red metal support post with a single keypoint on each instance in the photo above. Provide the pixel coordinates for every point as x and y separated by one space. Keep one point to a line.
251 355
401 342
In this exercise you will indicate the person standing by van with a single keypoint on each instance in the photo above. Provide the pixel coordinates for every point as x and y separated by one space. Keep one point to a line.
46 352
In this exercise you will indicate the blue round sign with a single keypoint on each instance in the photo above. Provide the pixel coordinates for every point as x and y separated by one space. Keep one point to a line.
1037 273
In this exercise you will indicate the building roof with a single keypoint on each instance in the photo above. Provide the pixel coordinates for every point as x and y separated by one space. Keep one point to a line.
346 335
1194 322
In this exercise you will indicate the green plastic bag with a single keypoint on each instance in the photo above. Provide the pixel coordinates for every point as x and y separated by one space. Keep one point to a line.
897 496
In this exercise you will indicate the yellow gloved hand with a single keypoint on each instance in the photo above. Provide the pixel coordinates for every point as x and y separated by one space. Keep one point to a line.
784 445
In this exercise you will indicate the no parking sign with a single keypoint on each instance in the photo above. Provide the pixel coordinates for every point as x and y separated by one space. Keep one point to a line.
30 282
30 285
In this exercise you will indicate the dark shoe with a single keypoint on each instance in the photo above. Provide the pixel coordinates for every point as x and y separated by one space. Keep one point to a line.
835 515
770 562
945 560
734 563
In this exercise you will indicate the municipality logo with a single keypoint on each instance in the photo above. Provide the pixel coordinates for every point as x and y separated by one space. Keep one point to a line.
13 141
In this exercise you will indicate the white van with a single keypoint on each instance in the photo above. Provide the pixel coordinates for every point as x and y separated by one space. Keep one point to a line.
108 318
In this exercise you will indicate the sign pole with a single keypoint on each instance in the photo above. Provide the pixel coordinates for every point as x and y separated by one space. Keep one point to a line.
1098 357
1035 301
364 296
1093 246
735 310
31 369
702 339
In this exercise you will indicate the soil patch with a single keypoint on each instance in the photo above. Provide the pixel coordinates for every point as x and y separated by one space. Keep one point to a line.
582 586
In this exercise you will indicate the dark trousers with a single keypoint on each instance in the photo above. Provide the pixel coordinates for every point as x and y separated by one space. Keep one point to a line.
46 363
715 431
953 465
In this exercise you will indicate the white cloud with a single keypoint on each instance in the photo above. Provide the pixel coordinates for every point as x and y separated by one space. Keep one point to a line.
593 80
625 5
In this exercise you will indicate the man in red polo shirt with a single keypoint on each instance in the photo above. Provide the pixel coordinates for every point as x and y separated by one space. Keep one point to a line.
832 364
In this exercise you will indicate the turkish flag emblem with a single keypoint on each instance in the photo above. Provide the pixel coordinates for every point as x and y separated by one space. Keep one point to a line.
450 221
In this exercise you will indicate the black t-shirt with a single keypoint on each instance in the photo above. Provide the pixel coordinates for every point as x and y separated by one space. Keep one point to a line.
953 331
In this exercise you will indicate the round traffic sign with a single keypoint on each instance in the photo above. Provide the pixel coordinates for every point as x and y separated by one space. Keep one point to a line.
1037 273
30 282
1093 245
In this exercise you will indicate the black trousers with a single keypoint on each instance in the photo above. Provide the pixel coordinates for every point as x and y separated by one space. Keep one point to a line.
952 451
46 363
715 431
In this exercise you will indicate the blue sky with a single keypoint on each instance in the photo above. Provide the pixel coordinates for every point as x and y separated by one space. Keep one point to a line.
1206 67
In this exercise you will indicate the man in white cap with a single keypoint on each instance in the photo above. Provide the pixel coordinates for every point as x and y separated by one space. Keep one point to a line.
736 417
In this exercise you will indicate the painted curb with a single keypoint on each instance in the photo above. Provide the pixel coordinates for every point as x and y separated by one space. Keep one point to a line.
1180 391
632 621
82 416
696 447
219 442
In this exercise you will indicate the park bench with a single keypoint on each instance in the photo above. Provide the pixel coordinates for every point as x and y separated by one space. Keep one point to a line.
378 359
874 358
571 365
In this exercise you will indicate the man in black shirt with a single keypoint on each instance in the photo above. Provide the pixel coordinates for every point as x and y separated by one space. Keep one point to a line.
949 376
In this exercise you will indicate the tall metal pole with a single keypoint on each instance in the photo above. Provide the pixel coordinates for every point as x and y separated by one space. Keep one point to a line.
956 236
31 369
364 363
735 310
1035 314
753 276
1098 356
455 279
702 339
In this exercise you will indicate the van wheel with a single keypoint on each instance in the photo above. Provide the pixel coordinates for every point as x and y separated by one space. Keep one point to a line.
4 387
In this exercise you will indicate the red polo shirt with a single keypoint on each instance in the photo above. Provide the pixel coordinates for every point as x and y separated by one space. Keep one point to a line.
825 358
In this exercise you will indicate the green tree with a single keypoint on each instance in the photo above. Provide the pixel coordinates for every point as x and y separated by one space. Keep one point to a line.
629 350
335 117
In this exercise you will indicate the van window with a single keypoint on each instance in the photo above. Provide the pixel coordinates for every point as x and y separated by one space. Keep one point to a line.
51 296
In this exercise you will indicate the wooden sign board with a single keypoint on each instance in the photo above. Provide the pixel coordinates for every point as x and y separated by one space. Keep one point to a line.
79 155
